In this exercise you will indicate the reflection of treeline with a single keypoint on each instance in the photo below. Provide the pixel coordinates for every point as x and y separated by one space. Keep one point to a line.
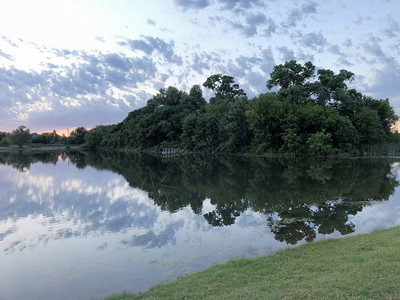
23 162
313 112
75 205
299 196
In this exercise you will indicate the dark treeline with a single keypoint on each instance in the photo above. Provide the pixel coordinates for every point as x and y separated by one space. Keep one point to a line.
312 112
22 136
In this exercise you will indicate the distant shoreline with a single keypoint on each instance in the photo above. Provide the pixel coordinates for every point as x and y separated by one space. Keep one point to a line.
29 149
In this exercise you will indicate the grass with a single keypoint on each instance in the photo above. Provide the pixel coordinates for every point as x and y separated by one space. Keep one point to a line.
356 267
28 149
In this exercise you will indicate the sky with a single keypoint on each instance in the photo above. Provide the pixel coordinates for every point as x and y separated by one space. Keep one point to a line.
65 64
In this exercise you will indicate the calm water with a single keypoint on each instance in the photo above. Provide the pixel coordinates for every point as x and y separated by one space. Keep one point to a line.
83 225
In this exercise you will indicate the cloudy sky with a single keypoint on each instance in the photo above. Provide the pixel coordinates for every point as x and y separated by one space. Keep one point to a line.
72 63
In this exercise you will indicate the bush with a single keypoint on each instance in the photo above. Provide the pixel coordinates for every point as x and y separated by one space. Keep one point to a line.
320 143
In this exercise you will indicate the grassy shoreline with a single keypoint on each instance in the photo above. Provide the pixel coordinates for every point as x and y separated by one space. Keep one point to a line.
355 267
32 149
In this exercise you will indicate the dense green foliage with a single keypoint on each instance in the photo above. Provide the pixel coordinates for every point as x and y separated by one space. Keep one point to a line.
47 138
311 113
4 138
357 267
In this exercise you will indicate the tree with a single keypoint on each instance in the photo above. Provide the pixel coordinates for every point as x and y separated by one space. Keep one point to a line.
291 73
47 138
331 89
265 115
385 112
320 143
196 97
77 136
369 127
224 86
3 138
21 136
294 81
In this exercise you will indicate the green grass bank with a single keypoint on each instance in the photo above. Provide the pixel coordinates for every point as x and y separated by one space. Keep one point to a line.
31 149
357 267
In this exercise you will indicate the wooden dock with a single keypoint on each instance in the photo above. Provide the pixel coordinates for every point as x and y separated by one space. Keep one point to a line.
171 151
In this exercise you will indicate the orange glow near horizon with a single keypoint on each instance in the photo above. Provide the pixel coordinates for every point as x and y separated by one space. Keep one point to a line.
60 132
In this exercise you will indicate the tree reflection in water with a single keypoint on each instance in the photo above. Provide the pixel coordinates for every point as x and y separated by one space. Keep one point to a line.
300 197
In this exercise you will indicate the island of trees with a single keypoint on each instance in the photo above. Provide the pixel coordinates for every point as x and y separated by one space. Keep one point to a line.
305 111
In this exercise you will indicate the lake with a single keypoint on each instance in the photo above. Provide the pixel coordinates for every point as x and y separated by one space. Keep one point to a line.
86 225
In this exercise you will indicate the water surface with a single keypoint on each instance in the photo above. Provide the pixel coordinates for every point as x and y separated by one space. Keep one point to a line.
85 225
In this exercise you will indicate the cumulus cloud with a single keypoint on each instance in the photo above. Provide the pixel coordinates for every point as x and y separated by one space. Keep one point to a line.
298 14
393 28
151 22
253 21
239 66
267 60
287 54
386 81
348 43
343 61
235 5
192 4
343 58
309 7
359 20
10 41
373 47
312 40
100 39
270 27
6 55
251 24
149 44
117 62
255 83
334 49
19 79
96 88
202 61
240 5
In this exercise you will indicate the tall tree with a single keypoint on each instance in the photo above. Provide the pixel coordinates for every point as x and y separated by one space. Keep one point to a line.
291 73
294 81
77 136
21 136
224 86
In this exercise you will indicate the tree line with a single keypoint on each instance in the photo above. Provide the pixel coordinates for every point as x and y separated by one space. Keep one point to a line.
304 111
22 136
312 112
